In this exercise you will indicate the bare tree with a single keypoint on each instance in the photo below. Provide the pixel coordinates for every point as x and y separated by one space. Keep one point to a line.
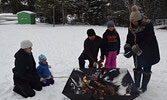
63 12
148 8
128 4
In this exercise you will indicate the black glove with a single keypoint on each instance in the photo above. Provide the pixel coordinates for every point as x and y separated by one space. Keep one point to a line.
136 49
128 52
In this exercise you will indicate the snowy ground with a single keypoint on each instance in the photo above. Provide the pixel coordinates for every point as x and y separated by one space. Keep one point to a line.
62 45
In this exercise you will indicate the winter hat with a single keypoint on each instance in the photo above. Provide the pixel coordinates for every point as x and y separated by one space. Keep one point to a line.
91 32
42 58
26 44
135 14
110 24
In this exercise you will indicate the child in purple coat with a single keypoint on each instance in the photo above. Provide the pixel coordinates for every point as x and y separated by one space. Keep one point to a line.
43 71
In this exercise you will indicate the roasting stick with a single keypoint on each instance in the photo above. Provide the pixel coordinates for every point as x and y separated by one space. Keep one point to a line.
61 77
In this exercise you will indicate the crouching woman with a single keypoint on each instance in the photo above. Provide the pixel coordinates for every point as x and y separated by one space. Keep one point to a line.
25 75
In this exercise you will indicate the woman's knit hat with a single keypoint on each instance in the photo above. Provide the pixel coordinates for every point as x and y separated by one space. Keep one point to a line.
135 14
42 58
26 44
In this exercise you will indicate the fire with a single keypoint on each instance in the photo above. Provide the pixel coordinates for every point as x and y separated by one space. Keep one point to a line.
94 86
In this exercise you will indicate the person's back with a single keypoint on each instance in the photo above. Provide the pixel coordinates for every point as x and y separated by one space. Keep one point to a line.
24 64
44 70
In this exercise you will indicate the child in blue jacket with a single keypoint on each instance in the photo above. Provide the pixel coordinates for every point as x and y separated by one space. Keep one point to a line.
43 71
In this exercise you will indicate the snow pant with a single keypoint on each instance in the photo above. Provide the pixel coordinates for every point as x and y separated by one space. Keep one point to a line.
146 72
47 82
111 59
82 59
25 87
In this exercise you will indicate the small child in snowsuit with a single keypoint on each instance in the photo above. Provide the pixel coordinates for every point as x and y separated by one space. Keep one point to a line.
111 42
44 73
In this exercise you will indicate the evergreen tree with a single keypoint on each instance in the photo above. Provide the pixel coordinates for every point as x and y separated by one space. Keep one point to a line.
5 6
78 8
162 13
15 6
149 8
121 12
30 5
45 7
97 12
94 12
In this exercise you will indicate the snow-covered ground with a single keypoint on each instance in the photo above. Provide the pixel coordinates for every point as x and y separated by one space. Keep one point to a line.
62 45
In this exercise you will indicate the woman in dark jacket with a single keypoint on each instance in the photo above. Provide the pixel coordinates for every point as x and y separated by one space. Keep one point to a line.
142 44
25 74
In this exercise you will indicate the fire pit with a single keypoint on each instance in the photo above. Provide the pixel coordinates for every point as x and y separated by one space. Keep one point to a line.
100 84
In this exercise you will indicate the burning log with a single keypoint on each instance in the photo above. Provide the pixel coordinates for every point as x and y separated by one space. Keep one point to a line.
97 86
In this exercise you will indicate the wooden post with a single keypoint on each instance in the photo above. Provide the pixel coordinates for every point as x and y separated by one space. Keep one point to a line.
54 14
63 13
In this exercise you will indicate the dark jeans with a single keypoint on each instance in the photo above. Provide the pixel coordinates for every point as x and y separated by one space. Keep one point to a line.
146 73
82 59
146 69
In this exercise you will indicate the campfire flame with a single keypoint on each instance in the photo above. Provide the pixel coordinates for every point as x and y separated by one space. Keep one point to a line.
96 87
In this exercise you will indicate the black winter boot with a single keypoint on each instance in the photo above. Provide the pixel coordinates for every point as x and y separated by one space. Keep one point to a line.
145 81
137 77
24 90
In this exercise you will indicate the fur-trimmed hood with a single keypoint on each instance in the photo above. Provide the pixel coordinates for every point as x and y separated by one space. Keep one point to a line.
141 27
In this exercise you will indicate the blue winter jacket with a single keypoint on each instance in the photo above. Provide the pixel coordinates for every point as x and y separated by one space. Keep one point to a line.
43 70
